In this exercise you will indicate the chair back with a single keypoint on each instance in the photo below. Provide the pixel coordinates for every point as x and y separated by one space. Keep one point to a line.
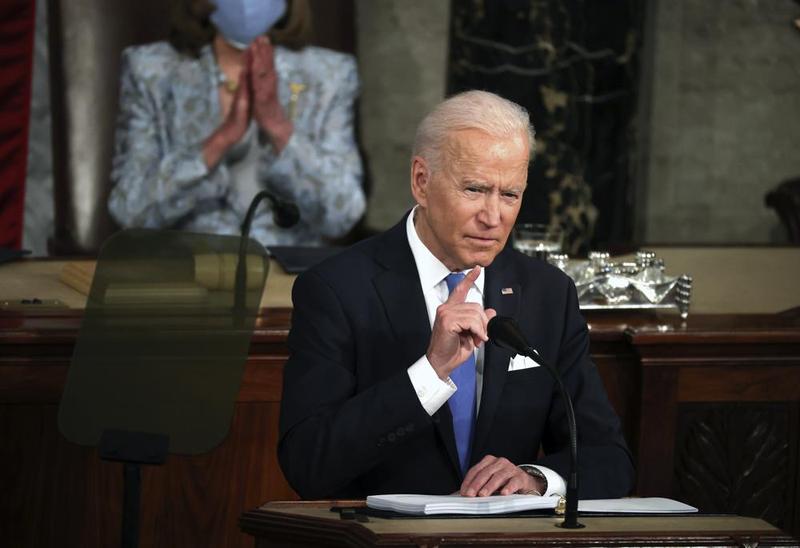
86 40
785 200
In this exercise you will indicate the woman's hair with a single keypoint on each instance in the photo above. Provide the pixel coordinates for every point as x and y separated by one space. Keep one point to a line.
192 27
474 109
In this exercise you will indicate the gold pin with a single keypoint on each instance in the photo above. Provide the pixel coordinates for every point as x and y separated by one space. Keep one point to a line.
561 506
296 88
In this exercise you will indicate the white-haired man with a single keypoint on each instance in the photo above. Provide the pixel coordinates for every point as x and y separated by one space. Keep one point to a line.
390 388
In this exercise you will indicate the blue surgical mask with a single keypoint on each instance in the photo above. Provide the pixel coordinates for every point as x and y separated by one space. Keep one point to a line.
242 21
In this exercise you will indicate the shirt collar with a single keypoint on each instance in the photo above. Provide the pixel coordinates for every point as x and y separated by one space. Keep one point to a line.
431 270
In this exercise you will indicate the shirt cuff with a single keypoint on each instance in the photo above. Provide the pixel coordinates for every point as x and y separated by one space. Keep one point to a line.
555 483
432 391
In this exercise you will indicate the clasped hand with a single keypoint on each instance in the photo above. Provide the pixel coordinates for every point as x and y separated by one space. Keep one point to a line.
256 97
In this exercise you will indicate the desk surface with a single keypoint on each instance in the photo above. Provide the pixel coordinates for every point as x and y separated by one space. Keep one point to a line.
303 521
731 280
38 278
738 280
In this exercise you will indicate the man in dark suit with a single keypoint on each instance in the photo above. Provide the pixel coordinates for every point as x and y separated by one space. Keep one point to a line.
390 388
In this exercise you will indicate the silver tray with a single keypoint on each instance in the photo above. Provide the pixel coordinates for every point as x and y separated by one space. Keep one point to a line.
640 285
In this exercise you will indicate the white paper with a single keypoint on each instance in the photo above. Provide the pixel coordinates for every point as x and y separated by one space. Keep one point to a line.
456 504
647 505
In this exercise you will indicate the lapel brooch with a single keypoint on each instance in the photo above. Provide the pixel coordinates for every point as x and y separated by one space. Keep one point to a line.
296 88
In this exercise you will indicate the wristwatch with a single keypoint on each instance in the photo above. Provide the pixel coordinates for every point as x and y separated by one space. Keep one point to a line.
536 474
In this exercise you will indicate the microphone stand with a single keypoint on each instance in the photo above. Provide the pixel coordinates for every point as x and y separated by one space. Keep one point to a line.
505 333
571 512
285 215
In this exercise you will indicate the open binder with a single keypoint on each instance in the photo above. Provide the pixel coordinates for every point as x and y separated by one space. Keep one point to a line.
456 504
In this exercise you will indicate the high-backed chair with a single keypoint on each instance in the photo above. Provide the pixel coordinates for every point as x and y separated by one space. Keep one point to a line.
86 40
785 200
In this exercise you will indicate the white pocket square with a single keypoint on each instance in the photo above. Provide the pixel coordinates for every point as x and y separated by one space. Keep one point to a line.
520 362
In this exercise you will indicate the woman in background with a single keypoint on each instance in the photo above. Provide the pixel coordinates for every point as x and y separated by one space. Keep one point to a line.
218 113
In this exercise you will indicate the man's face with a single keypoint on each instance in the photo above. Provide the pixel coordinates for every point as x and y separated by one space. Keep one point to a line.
468 205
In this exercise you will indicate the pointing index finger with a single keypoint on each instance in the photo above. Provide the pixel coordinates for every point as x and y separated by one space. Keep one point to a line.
459 294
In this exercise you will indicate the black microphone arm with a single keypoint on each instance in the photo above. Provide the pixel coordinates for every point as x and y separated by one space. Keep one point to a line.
285 214
505 333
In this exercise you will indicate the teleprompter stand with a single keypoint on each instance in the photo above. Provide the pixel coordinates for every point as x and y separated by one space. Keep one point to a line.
161 351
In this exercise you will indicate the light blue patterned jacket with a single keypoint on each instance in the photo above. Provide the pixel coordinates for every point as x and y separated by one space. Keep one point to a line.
169 105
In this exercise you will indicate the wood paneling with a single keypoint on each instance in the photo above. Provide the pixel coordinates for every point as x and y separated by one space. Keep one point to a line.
753 381
719 426
55 492
736 458
656 436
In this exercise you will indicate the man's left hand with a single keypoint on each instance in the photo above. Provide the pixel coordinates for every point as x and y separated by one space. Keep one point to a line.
498 475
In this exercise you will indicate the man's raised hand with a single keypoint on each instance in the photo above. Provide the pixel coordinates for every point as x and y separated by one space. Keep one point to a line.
459 327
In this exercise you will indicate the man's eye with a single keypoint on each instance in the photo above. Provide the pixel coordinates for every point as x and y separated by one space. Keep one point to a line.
473 189
510 195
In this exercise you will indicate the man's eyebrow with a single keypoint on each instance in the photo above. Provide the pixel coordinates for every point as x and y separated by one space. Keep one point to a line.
484 185
475 182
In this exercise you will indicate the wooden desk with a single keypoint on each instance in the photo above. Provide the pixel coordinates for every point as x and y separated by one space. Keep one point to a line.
314 525
710 408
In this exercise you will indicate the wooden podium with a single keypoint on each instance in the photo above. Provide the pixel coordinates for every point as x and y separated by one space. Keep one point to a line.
314 524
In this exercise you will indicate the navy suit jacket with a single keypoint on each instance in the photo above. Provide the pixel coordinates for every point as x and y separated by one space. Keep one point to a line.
351 423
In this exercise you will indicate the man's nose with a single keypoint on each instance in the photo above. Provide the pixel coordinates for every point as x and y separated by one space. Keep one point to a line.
490 212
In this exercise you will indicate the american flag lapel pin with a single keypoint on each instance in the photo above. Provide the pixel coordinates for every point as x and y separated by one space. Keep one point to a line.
507 291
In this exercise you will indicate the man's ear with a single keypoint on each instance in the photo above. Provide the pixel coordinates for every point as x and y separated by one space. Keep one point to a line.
420 180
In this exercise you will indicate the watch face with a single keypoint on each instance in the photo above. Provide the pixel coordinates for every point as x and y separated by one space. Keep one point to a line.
533 471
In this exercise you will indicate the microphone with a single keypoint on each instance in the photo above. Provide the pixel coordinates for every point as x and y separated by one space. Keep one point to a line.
285 214
505 333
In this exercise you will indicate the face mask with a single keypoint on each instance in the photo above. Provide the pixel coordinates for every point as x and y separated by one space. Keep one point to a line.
242 21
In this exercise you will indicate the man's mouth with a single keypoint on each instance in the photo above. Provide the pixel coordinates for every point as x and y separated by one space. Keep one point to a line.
482 241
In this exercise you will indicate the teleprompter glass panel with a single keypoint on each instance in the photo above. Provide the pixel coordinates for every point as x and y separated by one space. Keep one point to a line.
164 339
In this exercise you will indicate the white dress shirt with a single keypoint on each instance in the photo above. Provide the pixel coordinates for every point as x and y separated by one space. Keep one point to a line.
432 391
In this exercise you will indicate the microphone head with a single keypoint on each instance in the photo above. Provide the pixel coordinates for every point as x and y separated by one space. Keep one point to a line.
505 333
285 214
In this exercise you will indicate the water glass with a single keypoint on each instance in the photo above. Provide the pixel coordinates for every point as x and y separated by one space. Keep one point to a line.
537 240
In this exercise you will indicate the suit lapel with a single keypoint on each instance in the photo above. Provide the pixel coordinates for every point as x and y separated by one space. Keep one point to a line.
501 292
399 289
406 313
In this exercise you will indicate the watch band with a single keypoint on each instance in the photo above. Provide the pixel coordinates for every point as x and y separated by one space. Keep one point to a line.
536 474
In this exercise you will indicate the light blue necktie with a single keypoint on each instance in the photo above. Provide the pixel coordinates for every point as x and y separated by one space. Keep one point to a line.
462 403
